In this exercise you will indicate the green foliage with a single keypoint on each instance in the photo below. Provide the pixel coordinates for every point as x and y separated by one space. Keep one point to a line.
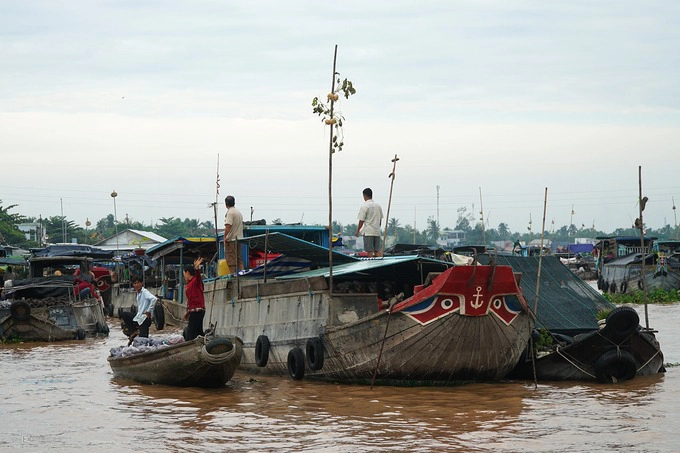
544 341
654 296
9 232
14 339
602 314
332 117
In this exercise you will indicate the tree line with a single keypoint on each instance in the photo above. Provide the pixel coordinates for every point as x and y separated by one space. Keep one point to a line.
61 229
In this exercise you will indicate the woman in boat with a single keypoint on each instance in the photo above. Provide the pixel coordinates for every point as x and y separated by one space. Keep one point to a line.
195 300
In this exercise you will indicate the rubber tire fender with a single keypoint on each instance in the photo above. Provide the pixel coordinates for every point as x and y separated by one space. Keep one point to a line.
622 322
219 346
599 282
159 317
614 366
612 288
20 310
605 286
80 333
296 363
262 346
639 284
624 287
314 350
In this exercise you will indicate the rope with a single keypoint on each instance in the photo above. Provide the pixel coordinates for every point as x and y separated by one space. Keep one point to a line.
558 350
217 358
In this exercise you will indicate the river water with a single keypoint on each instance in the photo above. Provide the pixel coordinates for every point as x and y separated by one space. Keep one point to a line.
62 397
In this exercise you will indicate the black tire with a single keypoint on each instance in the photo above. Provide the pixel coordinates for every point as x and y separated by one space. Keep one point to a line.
296 363
219 346
80 333
615 366
109 310
624 287
599 282
262 347
120 312
98 327
621 323
314 354
159 317
612 288
639 284
605 287
20 310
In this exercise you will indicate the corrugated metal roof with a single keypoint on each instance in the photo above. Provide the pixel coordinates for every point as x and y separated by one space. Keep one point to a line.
390 264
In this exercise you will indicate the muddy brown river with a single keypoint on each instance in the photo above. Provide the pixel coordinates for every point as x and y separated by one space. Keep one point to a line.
62 397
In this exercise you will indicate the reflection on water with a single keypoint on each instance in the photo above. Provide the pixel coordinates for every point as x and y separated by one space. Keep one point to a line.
62 397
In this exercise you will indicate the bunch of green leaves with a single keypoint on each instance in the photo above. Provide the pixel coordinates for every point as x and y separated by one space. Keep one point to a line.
654 296
332 117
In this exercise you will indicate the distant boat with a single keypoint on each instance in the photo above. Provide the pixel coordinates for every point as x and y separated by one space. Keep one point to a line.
46 306
620 264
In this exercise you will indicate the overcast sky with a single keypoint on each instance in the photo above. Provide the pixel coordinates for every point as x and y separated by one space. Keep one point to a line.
502 97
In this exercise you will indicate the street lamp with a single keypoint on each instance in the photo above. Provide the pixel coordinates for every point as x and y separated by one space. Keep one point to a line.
115 217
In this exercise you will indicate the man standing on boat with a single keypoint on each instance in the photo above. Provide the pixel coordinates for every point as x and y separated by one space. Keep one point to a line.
233 230
146 302
370 217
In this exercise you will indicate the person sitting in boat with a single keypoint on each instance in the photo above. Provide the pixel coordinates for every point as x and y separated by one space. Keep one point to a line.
138 324
195 300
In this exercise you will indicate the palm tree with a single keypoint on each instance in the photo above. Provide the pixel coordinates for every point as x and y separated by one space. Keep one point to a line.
393 224
432 232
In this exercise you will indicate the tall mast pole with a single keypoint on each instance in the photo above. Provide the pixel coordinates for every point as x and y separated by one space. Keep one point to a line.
389 202
330 180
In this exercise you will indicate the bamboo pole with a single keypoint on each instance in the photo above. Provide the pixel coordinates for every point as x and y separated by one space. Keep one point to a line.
642 245
389 202
330 181
481 212
540 255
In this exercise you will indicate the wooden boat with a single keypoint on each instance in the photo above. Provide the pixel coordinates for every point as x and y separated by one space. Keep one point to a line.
204 362
404 320
18 324
574 346
46 309
619 351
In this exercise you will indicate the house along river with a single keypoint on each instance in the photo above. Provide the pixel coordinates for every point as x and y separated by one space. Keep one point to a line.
62 397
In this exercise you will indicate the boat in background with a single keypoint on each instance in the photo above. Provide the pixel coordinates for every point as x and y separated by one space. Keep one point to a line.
620 264
49 305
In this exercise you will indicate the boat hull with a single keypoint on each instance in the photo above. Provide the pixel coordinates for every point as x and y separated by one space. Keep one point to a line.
188 364
35 320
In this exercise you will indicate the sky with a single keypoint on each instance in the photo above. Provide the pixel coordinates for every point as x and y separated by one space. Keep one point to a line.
514 110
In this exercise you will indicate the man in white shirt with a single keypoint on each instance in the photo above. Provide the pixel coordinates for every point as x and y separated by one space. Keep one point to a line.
233 230
370 217
146 302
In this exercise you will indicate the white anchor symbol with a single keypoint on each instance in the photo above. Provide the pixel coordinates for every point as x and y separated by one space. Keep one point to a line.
477 303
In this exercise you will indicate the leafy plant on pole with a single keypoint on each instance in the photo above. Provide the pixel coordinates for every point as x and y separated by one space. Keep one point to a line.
333 119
